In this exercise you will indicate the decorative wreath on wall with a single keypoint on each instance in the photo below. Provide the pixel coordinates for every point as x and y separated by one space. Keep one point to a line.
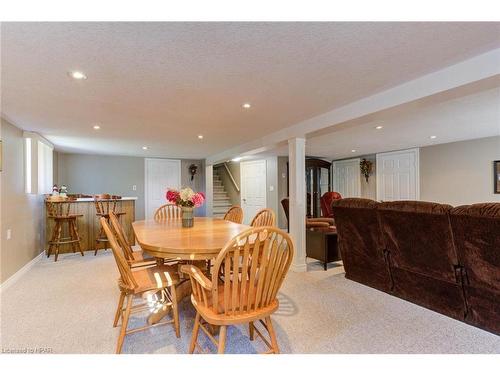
193 168
366 168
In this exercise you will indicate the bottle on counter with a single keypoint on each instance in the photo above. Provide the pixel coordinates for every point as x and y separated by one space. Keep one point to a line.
63 191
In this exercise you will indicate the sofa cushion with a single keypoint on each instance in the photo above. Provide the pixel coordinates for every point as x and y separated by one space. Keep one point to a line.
360 241
419 239
476 230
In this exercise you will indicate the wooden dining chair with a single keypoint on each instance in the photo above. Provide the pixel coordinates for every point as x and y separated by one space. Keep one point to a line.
168 211
134 258
264 218
161 279
234 214
246 278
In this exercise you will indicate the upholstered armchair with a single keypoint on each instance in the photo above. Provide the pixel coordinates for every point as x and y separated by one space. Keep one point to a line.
326 203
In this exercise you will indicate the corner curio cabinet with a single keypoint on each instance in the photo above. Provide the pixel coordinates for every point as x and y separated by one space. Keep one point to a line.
318 182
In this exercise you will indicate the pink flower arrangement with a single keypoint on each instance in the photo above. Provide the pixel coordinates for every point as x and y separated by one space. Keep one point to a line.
185 197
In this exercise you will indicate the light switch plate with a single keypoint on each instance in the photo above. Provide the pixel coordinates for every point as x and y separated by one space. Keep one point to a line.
9 234
134 187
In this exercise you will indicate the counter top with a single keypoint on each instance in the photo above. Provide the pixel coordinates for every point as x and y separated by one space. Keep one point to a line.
92 199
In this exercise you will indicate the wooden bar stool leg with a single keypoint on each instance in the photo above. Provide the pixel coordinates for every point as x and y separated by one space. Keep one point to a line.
77 236
222 340
101 233
123 330
52 239
194 336
71 234
58 238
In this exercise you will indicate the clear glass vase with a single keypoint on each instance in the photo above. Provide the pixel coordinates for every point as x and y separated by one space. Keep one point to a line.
187 217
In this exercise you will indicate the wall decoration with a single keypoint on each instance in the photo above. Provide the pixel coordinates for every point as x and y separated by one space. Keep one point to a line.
193 168
496 176
1 153
366 167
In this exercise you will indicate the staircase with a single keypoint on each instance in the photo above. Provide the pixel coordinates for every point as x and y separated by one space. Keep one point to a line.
222 203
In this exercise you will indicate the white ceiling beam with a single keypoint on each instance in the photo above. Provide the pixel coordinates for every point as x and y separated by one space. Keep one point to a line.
466 72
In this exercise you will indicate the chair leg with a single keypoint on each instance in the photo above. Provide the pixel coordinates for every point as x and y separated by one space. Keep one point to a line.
71 235
194 336
119 309
123 329
222 340
251 328
175 311
272 333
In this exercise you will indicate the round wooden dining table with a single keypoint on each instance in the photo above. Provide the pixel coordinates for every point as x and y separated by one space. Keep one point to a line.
168 239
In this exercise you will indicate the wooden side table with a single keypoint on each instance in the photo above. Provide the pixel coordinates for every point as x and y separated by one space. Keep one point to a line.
321 244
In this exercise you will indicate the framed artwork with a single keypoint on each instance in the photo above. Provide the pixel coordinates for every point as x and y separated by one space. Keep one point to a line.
496 176
1 153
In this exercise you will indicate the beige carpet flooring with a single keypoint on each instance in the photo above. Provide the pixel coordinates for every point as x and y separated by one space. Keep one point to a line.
68 307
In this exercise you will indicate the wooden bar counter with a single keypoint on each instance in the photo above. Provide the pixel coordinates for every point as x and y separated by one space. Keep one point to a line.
88 225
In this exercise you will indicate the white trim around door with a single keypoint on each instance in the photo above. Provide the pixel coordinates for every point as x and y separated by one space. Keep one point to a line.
159 174
398 175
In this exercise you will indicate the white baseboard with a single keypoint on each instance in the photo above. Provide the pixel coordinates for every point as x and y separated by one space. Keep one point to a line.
298 267
11 280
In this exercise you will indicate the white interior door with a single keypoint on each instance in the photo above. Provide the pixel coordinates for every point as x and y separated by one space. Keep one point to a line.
253 188
160 174
398 175
347 178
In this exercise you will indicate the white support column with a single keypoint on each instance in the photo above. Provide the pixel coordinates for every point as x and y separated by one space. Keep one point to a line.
297 187
209 190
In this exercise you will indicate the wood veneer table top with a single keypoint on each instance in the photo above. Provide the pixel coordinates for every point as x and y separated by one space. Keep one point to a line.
168 239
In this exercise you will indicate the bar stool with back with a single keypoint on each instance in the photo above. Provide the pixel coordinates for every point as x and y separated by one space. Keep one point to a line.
58 209
104 205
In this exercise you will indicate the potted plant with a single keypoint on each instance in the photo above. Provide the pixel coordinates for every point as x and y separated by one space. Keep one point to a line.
187 200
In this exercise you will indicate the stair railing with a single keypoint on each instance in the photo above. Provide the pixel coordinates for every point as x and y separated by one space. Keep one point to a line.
231 177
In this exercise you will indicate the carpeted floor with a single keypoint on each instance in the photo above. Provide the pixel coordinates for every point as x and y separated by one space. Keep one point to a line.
68 307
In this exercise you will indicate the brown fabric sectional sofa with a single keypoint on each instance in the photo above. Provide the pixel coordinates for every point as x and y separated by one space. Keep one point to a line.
443 258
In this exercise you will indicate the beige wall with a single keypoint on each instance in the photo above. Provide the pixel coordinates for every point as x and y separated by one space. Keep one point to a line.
20 212
96 174
460 172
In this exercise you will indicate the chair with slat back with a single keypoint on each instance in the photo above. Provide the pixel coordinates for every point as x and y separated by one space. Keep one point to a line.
134 283
246 278
168 211
234 214
134 258
264 218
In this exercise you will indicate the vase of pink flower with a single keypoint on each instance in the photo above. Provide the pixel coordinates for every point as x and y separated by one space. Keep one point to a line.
187 200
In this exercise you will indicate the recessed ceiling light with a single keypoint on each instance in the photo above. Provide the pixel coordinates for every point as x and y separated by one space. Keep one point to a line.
353 150
200 136
77 75
433 137
237 159
144 147
96 127
246 105
378 127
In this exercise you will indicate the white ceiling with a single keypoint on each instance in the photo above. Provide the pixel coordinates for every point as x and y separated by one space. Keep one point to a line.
471 116
162 84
